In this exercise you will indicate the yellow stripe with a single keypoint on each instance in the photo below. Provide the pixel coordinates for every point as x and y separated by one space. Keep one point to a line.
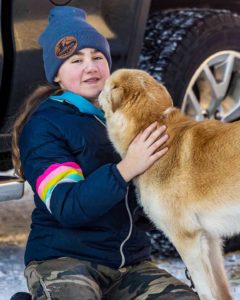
56 179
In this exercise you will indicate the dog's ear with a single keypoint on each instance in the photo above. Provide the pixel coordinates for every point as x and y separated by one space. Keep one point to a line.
116 97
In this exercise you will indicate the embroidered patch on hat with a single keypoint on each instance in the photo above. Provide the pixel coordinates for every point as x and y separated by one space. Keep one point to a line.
65 47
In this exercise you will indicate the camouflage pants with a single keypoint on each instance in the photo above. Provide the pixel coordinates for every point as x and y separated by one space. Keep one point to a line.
72 279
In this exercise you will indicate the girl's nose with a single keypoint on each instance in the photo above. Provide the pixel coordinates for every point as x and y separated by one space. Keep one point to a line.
90 66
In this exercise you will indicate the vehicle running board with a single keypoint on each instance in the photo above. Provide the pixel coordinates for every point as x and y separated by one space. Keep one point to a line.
11 188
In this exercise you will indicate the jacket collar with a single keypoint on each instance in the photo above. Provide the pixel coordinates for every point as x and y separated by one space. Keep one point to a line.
81 103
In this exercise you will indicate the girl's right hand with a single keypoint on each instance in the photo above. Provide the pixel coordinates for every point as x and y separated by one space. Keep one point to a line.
142 152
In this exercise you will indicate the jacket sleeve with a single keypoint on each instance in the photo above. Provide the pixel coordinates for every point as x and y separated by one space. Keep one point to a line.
53 174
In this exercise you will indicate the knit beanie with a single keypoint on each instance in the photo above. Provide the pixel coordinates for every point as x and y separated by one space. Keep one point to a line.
66 33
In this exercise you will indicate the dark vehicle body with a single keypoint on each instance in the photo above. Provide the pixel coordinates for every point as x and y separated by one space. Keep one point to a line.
122 22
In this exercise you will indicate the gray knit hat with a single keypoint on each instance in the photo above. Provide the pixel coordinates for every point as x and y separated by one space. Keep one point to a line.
66 33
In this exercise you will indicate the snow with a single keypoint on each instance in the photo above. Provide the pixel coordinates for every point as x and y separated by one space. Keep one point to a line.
11 271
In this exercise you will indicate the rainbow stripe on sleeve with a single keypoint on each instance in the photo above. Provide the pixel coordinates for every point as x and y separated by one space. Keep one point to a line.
54 175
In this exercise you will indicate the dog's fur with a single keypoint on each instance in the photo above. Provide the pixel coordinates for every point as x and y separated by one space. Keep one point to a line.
193 192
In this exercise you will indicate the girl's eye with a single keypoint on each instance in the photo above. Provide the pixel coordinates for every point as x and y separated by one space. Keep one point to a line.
76 61
98 57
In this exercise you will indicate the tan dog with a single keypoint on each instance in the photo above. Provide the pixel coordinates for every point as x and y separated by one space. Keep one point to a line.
193 192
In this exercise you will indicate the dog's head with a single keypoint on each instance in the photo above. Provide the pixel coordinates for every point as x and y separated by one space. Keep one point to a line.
133 90
132 100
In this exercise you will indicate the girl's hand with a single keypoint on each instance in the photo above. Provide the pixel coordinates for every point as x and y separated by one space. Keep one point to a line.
142 153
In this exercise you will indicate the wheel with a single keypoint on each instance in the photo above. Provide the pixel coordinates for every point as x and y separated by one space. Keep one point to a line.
195 53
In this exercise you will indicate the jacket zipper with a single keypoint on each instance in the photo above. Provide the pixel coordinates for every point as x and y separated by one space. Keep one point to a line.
129 233
123 260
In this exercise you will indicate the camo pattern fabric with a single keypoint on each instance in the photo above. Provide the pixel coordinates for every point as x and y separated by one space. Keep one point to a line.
72 279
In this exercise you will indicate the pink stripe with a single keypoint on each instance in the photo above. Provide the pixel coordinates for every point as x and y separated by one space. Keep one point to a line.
71 164
52 168
57 171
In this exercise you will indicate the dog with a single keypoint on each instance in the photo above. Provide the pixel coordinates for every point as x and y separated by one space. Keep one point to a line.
192 193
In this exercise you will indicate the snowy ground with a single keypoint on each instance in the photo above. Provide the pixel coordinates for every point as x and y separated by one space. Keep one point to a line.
11 271
14 227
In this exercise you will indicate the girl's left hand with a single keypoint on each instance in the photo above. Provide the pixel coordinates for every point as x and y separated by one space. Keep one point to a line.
142 152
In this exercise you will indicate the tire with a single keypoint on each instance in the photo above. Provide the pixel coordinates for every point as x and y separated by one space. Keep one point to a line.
177 45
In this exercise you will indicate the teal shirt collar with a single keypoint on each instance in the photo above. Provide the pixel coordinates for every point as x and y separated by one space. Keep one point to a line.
81 103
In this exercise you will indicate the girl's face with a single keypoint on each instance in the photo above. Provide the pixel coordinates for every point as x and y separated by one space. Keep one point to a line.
84 73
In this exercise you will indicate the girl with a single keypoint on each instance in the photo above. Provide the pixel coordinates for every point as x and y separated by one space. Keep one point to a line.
84 242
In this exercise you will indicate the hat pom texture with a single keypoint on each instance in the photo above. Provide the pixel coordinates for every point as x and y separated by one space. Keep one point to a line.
66 33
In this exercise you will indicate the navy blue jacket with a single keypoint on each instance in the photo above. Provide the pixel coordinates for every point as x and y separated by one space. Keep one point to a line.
89 218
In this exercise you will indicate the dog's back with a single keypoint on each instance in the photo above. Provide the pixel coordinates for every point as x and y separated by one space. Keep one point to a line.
201 171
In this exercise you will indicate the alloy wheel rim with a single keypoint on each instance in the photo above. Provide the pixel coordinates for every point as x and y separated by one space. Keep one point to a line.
214 90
